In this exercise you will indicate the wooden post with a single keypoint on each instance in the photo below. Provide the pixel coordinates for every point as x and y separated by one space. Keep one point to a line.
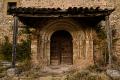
15 29
109 40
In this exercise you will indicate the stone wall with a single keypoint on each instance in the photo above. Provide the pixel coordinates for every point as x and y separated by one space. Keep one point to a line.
65 3
6 21
115 24
82 41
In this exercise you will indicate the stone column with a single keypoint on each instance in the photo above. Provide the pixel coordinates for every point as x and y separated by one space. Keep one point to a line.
41 49
75 50
34 51
48 51
45 54
109 39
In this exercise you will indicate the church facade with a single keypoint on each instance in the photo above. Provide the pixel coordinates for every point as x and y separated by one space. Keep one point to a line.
64 30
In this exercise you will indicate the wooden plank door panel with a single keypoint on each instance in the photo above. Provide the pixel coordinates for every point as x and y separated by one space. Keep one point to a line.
61 48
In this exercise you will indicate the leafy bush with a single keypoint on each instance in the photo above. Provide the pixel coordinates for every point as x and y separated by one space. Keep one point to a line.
6 49
23 50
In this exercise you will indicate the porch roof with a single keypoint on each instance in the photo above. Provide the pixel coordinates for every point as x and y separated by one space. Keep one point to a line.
58 12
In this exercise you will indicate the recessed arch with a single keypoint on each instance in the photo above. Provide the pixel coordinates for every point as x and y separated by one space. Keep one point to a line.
61 24
61 48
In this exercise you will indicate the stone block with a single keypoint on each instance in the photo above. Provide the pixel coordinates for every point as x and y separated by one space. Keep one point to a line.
11 72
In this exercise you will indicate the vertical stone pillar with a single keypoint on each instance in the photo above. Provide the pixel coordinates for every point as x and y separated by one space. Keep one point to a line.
88 47
41 49
35 48
90 51
45 54
109 39
34 51
41 43
75 50
48 51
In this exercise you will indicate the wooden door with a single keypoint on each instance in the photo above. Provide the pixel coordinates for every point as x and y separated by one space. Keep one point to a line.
66 50
55 51
61 49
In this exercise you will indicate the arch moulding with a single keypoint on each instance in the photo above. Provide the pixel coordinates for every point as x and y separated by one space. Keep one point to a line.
47 31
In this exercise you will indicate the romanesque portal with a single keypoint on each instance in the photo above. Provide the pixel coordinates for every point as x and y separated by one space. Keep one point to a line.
63 42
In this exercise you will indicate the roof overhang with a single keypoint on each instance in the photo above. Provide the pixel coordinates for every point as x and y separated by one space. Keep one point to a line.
58 12
29 15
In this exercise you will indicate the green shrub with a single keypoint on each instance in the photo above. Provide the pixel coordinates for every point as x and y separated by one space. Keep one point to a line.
6 49
23 50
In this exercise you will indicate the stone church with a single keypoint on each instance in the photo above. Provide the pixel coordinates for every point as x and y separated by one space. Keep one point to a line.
64 29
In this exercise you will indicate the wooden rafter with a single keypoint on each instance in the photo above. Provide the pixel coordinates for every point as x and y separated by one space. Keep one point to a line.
56 12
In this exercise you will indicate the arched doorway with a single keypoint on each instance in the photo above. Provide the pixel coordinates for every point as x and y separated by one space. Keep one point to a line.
61 48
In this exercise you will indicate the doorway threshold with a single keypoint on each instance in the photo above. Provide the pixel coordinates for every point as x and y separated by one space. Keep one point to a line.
57 69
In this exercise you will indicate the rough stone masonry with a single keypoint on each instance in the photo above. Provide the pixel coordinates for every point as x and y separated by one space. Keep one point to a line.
83 47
